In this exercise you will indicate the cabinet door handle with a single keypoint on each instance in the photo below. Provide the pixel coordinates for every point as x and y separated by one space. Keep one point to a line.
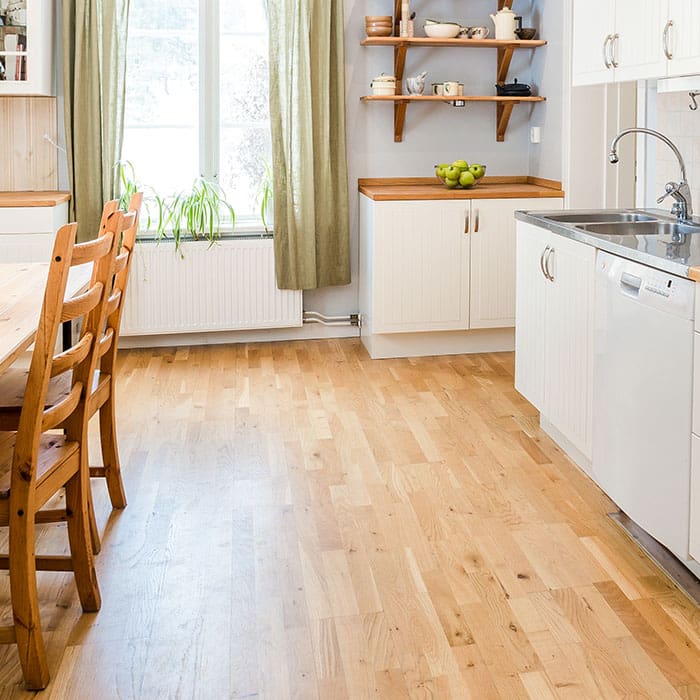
613 50
466 222
544 252
550 255
667 46
476 222
606 56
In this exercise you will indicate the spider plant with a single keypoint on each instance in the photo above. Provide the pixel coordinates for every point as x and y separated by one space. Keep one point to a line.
129 185
264 195
196 213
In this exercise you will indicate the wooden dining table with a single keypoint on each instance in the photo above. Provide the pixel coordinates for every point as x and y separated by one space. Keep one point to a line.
22 288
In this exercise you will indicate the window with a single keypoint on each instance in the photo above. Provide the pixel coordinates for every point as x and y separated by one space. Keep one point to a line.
197 97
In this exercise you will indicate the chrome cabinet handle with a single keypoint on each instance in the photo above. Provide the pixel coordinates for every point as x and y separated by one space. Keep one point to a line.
606 60
476 222
667 30
544 252
550 276
613 50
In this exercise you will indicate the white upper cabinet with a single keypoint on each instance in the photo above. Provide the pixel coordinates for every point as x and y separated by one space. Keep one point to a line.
683 38
26 48
593 32
622 40
638 44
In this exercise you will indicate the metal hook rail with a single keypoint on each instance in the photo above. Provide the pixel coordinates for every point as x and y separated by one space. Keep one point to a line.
694 103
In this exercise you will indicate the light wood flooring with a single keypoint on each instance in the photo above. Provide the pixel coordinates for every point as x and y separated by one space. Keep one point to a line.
304 522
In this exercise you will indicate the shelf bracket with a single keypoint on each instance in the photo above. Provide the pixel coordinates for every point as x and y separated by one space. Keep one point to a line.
505 56
505 3
503 112
399 120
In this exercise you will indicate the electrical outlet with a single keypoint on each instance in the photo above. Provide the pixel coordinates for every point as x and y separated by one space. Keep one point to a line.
534 134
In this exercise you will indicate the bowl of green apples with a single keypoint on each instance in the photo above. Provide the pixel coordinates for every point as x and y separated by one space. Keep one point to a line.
459 174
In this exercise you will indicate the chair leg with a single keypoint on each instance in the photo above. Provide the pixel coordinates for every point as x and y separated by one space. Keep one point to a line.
25 602
110 453
77 508
94 532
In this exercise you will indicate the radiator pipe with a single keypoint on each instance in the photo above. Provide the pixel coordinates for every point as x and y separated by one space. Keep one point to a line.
317 317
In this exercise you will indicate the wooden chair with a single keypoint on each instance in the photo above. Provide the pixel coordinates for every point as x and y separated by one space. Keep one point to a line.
35 463
13 382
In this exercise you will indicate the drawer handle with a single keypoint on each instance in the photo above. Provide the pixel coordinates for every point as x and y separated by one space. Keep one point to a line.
544 252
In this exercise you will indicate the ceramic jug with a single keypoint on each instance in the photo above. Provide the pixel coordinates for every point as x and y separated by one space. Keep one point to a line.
504 20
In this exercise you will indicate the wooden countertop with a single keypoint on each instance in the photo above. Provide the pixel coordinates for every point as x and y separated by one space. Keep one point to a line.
694 274
33 199
505 187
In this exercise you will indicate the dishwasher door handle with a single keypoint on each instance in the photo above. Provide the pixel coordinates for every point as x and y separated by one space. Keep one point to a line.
631 284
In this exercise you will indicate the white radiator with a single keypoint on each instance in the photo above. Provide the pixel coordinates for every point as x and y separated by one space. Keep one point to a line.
230 286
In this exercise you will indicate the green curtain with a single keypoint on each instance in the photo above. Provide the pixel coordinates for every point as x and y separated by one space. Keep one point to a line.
94 67
307 111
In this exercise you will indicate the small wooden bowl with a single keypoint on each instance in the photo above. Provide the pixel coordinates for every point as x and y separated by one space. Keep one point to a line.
378 31
384 19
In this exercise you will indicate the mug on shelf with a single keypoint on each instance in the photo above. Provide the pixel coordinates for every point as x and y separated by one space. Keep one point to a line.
438 88
453 89
478 32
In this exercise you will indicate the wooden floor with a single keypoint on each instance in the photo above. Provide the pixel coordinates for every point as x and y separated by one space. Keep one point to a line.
304 522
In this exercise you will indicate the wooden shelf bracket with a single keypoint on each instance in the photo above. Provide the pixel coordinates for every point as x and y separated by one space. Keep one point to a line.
503 112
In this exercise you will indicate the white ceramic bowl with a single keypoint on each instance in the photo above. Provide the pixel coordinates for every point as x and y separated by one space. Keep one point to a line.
442 31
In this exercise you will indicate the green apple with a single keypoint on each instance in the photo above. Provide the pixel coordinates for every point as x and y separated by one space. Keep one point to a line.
453 172
441 171
461 164
466 179
477 170
451 183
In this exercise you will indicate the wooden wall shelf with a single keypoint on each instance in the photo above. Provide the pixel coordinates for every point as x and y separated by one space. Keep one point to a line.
505 50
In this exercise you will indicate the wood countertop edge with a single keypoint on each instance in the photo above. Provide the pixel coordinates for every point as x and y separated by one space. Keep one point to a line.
33 199
694 274
426 188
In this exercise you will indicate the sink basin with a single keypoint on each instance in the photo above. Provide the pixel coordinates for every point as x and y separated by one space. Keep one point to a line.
602 217
641 228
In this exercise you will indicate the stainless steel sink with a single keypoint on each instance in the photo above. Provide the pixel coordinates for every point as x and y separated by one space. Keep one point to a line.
641 228
602 217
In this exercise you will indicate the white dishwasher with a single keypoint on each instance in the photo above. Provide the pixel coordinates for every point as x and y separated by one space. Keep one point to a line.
642 384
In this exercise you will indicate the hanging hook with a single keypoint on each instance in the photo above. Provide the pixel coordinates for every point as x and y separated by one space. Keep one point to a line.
694 104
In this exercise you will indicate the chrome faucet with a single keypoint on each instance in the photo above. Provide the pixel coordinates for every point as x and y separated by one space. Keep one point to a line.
680 191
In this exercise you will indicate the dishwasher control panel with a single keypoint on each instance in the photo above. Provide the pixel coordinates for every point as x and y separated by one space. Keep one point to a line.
651 287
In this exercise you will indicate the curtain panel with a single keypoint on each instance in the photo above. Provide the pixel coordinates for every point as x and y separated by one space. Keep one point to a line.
94 66
307 114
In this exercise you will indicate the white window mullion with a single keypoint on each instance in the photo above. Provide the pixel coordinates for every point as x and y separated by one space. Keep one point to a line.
209 89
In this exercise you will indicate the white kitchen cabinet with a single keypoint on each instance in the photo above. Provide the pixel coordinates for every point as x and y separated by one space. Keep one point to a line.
441 265
684 38
28 224
593 28
554 332
420 266
26 50
625 40
694 537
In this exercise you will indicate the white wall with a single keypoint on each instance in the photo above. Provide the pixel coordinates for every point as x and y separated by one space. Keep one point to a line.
435 133
675 120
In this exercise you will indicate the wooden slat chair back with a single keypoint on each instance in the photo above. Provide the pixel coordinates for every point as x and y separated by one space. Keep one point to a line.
102 398
36 463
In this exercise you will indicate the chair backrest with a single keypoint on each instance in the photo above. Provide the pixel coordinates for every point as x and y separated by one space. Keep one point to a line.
115 304
80 358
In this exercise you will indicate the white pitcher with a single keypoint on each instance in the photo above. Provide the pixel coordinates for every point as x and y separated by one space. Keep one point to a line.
505 24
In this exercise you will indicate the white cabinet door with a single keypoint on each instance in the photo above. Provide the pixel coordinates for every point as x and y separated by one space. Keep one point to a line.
695 499
684 37
638 47
421 266
492 279
530 312
26 50
569 341
593 23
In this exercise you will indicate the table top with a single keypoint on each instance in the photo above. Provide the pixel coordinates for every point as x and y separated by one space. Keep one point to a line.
21 295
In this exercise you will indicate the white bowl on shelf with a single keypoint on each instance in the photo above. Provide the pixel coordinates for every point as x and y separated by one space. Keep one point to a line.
447 30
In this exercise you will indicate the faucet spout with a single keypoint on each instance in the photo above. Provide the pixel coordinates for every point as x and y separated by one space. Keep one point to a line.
683 206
